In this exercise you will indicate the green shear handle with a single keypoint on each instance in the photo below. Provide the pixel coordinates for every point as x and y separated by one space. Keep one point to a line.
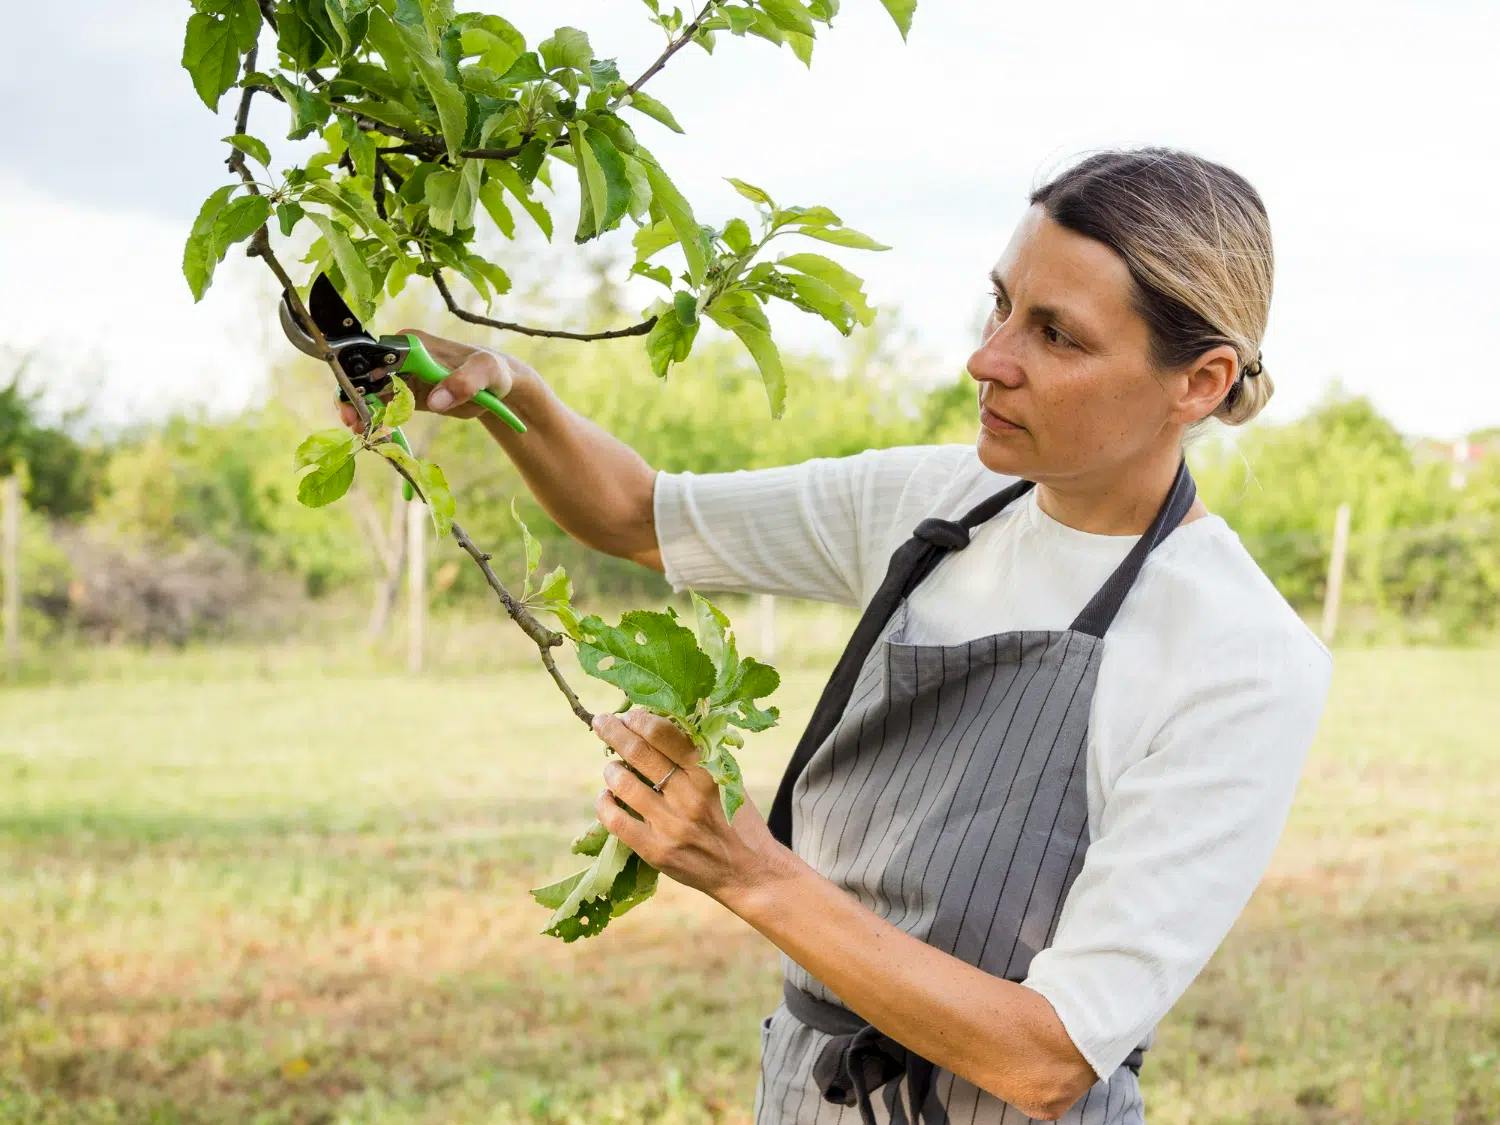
419 363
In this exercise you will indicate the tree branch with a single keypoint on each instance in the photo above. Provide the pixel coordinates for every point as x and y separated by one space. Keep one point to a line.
673 47
556 333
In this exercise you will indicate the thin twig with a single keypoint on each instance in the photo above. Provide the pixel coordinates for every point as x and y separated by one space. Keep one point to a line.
673 47
640 329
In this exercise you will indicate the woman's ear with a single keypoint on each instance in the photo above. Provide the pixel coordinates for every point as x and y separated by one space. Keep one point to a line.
1208 381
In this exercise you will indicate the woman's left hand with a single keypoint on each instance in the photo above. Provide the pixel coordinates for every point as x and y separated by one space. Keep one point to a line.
684 833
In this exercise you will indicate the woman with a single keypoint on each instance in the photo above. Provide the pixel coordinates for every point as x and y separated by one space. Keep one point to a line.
1013 843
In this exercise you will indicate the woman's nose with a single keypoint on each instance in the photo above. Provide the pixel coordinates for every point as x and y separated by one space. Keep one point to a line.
992 359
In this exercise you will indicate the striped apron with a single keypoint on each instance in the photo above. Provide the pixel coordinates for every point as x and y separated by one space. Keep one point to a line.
944 787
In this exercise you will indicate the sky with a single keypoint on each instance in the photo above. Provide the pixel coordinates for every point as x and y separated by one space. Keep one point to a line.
1368 129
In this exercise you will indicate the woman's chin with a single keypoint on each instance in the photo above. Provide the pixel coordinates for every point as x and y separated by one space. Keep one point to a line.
999 455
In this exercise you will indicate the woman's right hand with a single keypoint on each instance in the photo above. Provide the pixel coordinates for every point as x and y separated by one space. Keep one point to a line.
471 370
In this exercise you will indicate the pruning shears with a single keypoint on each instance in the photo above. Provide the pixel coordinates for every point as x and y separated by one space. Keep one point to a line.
368 360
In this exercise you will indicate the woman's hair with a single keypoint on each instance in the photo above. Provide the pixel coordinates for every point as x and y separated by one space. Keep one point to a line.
1197 242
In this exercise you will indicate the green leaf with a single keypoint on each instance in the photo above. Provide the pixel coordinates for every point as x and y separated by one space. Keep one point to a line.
395 454
239 219
751 192
532 548
297 36
845 284
686 307
669 341
650 657
651 239
403 403
508 176
739 312
198 255
591 190
640 190
812 295
567 46
589 841
804 216
680 214
725 770
843 236
716 639
493 200
901 11
452 107
801 45
287 215
526 68
309 111
351 265
789 14
737 235
213 44
605 163
326 446
555 586
633 885
587 908
251 147
329 480
601 72
442 191
439 496
645 103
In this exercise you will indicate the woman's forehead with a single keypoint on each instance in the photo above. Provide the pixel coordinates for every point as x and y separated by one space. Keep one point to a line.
1048 265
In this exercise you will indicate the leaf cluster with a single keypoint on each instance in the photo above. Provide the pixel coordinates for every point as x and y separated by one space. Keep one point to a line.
435 122
695 677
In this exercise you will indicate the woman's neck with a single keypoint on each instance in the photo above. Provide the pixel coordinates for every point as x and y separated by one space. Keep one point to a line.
1121 499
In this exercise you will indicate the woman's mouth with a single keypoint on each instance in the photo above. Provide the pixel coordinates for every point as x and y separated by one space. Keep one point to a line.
996 424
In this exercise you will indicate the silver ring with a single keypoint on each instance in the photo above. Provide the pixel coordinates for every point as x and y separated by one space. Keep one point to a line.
663 781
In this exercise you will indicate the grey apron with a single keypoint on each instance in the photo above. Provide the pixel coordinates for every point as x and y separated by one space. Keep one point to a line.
944 787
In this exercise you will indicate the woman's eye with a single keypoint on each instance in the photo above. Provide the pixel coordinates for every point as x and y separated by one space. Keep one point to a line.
1060 338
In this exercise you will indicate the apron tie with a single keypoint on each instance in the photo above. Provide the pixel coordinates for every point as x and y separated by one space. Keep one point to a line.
860 1059
943 533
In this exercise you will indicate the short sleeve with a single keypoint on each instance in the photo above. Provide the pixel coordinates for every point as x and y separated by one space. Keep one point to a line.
1185 835
810 530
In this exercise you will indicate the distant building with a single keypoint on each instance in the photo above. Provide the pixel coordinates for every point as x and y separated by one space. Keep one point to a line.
1461 454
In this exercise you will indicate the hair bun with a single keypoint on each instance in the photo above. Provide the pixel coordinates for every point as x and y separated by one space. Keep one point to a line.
1255 368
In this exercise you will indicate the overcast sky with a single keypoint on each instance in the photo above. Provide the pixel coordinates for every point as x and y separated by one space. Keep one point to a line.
1369 130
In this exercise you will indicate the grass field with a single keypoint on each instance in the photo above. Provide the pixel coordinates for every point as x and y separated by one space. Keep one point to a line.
278 886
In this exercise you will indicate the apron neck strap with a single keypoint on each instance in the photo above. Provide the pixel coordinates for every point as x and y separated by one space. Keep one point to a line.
1096 617
929 544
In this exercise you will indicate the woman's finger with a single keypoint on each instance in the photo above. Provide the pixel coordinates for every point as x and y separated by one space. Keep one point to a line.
632 748
625 784
666 737
619 822
478 371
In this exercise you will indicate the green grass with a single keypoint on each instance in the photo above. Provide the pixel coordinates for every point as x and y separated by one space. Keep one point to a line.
276 885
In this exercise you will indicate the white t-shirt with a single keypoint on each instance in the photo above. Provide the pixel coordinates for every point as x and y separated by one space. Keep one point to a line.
1209 691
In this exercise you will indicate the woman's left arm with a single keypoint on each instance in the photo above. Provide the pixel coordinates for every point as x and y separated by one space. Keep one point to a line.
1001 1036
1186 834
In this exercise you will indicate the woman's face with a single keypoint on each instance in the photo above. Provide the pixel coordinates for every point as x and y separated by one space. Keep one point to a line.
1064 357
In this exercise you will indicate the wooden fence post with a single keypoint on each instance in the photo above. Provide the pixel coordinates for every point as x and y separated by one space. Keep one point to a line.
1335 572
10 568
416 584
768 627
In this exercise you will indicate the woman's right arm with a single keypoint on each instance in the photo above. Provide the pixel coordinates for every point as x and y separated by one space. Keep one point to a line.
817 529
594 486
